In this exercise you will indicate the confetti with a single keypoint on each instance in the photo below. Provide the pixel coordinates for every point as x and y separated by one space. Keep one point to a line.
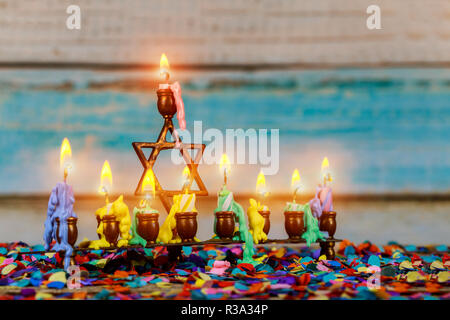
213 272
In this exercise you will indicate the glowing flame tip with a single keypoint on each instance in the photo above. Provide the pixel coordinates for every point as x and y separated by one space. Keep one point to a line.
295 179
148 184
105 178
66 154
260 182
164 64
325 163
224 163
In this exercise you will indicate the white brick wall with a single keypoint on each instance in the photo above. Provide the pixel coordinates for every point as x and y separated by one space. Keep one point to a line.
225 32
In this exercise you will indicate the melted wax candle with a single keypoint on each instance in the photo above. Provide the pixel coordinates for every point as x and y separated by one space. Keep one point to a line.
323 200
226 202
187 203
60 205
312 232
256 221
167 230
136 239
326 198
181 203
121 213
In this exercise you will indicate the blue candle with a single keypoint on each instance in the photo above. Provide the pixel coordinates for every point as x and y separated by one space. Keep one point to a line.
60 205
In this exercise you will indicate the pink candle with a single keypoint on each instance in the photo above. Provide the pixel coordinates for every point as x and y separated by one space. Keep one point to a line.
176 90
326 198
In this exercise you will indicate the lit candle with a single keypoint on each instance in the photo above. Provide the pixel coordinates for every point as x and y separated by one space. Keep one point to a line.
105 180
224 167
225 202
148 188
255 219
176 91
296 186
312 232
60 206
325 193
164 71
187 199
261 190
117 209
323 199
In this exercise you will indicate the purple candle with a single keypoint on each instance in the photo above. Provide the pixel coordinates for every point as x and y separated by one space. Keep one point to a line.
323 199
60 205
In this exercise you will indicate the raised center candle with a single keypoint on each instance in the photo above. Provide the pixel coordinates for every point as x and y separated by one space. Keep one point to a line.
176 91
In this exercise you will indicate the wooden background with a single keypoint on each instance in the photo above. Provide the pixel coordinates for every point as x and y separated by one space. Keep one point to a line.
225 33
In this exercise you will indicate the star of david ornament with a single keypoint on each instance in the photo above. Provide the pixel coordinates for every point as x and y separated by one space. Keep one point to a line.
167 108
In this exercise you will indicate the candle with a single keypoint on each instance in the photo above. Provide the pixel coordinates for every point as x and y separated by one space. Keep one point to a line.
224 167
323 199
176 91
60 205
148 188
296 186
105 186
118 209
312 232
325 194
225 202
168 229
255 219
183 204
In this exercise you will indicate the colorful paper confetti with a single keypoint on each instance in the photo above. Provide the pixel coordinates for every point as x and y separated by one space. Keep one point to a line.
361 271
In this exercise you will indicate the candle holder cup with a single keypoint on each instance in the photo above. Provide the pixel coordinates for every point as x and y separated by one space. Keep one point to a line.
166 103
186 225
323 221
111 228
225 224
99 220
266 217
328 223
148 226
294 224
71 229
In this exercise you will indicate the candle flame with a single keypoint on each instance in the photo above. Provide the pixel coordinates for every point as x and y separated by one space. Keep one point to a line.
325 170
148 184
164 65
105 179
65 155
186 175
295 181
261 183
186 172
224 163
325 164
